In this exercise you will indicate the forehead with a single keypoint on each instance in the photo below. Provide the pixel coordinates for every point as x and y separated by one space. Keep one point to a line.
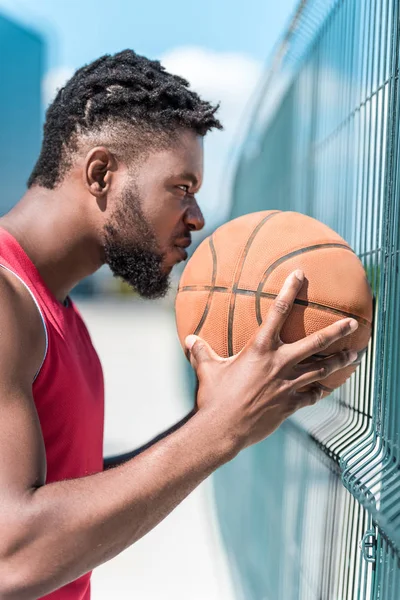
185 155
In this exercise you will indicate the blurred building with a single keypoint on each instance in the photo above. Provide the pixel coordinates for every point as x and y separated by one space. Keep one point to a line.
21 70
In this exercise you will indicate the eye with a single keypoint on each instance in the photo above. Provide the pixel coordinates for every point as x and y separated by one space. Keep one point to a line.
185 188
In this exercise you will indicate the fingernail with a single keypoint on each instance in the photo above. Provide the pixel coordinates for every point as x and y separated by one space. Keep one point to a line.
189 341
299 274
353 325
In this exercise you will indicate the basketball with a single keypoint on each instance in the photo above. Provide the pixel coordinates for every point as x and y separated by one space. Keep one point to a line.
235 274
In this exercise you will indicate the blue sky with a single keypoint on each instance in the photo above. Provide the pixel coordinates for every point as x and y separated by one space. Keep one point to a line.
221 46
80 30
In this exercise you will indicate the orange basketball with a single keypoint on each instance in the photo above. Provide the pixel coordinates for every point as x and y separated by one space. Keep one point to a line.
231 280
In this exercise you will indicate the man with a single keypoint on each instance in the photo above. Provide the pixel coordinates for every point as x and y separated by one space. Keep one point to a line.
115 183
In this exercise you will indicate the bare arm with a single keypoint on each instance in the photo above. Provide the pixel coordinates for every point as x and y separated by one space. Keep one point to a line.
67 528
51 534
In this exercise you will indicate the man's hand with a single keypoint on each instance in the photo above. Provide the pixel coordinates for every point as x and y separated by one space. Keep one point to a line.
253 392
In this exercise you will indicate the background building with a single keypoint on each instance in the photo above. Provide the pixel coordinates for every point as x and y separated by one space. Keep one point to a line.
21 72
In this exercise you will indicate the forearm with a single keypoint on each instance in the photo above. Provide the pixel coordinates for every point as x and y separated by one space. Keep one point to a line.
76 525
114 461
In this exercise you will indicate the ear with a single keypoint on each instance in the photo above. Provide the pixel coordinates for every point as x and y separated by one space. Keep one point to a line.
99 166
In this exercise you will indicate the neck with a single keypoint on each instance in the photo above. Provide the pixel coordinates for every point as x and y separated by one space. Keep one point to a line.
54 232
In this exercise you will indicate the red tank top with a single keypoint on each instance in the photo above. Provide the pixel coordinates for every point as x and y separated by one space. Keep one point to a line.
68 390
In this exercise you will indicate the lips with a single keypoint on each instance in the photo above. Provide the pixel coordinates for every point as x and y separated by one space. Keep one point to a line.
183 243
182 252
180 246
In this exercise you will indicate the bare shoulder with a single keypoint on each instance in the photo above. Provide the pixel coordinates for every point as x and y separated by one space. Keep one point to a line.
22 334
22 451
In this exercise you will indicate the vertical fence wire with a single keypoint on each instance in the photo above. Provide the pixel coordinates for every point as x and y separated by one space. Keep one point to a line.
324 141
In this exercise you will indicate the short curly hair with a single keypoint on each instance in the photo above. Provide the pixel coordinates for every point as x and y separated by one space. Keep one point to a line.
124 100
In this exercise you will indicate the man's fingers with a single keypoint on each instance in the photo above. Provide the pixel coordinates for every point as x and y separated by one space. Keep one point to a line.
198 351
317 370
279 311
307 398
321 340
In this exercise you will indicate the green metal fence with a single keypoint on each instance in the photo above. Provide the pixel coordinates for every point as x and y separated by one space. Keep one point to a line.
313 513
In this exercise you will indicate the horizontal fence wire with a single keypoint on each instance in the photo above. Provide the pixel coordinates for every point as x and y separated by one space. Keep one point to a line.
324 491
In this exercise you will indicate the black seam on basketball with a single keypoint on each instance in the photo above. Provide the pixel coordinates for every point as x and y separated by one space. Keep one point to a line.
212 288
283 259
242 292
330 309
203 288
238 274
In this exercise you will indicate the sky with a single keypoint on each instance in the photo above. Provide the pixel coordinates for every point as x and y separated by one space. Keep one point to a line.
221 46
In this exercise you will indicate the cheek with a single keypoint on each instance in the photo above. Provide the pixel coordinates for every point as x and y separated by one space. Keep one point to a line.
165 225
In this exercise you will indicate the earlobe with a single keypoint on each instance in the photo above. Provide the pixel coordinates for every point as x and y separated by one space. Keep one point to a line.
97 188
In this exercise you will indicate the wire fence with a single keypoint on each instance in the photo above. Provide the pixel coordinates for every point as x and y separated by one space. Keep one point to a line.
317 513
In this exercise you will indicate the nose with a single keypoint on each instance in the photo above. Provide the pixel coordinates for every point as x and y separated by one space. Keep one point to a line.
194 219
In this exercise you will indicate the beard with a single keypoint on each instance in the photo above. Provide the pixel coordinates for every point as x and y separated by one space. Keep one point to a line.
138 262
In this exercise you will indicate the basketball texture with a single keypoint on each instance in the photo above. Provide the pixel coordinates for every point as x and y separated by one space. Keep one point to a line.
234 276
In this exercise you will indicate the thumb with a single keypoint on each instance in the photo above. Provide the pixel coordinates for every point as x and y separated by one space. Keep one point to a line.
198 351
